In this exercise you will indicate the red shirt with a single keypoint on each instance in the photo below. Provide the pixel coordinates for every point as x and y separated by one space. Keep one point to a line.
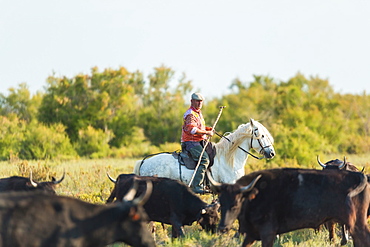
193 120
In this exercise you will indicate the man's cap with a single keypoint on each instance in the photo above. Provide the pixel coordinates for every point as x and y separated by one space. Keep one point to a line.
197 96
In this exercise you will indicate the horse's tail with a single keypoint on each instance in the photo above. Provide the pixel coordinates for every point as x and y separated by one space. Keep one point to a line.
137 167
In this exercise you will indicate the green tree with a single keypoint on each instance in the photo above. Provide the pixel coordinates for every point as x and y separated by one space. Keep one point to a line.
104 100
117 101
65 102
20 103
163 107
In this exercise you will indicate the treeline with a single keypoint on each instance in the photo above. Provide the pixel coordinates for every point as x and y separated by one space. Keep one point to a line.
117 113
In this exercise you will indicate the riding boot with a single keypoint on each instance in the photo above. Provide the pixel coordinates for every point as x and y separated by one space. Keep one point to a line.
198 180
196 152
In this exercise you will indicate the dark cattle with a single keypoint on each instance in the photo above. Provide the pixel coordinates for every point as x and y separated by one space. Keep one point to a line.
31 219
368 180
288 199
171 202
337 165
16 183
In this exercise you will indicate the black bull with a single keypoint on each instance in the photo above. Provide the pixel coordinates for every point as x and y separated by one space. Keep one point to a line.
171 202
338 165
17 183
31 219
288 199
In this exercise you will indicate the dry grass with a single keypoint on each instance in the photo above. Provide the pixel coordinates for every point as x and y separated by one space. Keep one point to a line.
87 180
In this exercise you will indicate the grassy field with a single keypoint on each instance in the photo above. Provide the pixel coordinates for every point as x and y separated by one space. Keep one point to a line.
87 180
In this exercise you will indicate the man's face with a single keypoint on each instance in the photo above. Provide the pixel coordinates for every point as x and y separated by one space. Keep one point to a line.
197 104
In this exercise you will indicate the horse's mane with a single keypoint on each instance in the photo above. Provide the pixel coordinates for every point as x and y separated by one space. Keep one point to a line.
228 148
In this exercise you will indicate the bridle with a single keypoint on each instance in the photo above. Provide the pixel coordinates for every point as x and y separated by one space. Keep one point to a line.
252 135
258 138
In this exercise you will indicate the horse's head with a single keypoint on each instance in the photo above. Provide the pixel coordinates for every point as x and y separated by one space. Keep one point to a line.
261 140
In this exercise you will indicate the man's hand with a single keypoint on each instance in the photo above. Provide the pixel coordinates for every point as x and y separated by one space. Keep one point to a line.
210 131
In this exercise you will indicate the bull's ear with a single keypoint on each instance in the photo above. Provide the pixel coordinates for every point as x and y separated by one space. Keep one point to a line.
134 215
253 194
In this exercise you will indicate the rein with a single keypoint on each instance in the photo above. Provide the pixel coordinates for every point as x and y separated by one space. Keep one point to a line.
150 155
254 156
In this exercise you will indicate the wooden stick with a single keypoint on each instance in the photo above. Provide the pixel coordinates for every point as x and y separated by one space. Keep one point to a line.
205 145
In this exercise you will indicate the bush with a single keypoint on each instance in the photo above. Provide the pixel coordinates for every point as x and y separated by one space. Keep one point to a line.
42 142
11 135
93 143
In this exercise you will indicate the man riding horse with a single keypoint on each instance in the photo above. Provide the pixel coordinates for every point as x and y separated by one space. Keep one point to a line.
193 138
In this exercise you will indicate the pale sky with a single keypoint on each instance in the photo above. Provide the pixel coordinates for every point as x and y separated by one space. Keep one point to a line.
211 41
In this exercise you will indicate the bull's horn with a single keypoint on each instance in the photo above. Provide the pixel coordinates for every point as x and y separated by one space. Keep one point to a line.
343 164
111 179
250 186
60 180
143 198
320 163
215 184
33 183
130 195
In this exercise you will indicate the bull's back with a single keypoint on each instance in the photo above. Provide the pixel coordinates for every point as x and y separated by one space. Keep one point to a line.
14 183
298 198
169 198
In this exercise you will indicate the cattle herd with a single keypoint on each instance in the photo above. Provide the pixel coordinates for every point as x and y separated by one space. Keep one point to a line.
265 203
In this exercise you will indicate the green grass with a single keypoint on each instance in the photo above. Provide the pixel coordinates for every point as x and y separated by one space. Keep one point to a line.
87 180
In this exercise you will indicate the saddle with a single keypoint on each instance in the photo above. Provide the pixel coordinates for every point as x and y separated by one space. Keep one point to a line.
185 159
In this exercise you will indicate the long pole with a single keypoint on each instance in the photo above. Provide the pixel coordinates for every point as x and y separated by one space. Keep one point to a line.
205 145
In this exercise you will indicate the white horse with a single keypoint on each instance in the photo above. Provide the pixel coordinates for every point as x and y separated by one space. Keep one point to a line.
231 156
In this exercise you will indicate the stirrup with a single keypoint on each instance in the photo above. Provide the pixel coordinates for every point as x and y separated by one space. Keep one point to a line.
201 191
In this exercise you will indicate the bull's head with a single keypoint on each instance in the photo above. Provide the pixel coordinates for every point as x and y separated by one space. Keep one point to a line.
132 217
339 165
333 164
45 186
231 198
209 217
